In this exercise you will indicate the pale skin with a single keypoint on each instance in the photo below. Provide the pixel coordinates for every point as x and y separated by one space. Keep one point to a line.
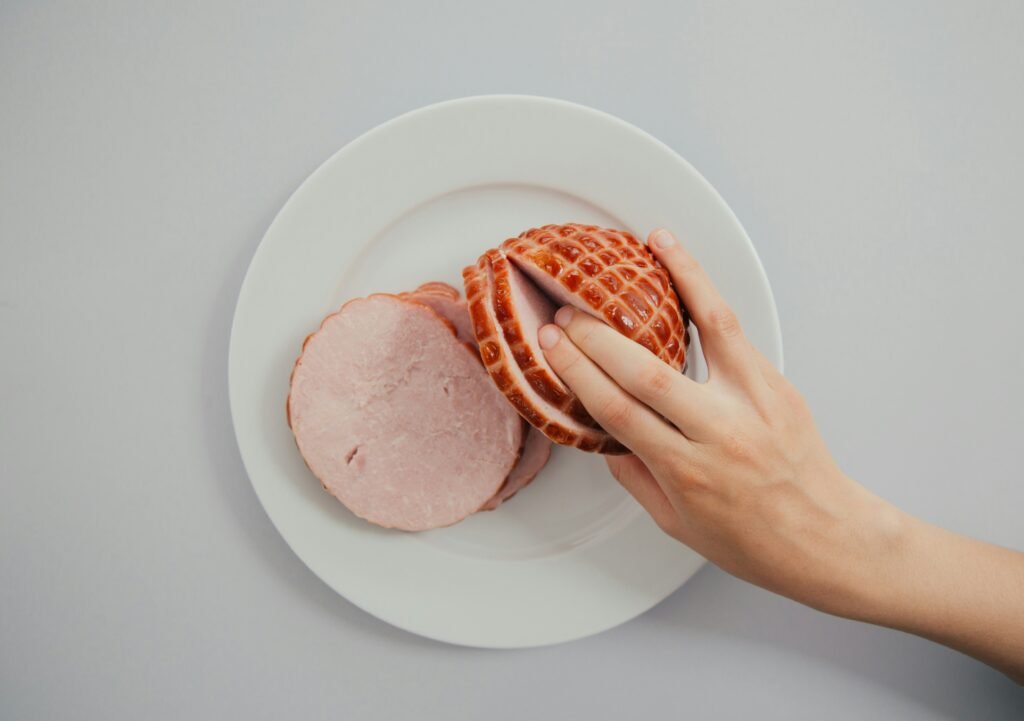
735 469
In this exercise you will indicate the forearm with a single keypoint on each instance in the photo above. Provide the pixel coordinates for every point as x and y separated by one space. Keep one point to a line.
954 590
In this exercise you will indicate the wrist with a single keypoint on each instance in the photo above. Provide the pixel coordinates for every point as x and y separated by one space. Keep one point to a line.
954 590
871 542
881 593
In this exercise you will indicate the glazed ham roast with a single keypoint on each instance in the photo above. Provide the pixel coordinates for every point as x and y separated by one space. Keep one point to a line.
396 415
515 289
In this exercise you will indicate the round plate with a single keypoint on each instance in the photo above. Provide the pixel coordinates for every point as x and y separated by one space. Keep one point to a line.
414 200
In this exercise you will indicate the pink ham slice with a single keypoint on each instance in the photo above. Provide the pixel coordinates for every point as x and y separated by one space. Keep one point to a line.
499 357
535 455
521 309
391 413
447 302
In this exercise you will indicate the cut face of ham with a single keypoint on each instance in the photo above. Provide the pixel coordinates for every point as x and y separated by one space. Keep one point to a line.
447 302
515 289
393 415
500 361
521 309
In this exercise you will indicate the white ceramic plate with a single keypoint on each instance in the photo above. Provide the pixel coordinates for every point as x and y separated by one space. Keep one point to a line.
416 199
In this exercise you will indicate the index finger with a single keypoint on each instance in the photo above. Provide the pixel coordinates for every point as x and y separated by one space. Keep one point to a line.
628 420
640 373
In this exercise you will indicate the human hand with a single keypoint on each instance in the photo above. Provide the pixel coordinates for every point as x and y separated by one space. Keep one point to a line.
733 467
736 469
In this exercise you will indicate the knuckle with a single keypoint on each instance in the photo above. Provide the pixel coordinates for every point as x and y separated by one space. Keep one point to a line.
681 262
737 446
721 427
656 381
614 413
691 481
565 361
681 469
723 321
582 332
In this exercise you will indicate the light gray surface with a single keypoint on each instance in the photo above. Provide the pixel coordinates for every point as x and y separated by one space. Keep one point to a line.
873 152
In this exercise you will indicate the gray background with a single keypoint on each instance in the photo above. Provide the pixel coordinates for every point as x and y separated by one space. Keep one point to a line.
873 151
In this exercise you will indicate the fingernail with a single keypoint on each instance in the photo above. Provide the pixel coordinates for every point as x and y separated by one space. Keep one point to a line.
662 239
549 336
563 316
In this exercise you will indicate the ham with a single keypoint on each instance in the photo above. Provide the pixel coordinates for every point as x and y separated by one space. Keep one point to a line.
392 413
516 288
535 455
510 378
395 415
520 309
610 275
447 302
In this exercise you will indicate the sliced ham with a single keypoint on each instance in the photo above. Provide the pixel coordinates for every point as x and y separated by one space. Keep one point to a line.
515 289
498 357
447 302
521 309
535 455
441 288
392 414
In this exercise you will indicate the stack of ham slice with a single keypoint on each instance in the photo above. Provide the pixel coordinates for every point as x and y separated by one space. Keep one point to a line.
447 302
393 412
515 289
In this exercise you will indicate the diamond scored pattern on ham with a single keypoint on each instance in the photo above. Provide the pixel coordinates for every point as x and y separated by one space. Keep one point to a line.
515 289
610 275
